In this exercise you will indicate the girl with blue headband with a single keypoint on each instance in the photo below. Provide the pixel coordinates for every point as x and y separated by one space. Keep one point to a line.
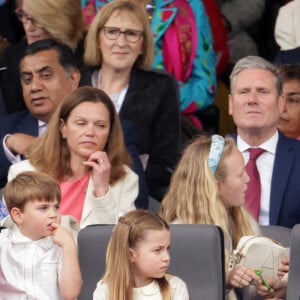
208 187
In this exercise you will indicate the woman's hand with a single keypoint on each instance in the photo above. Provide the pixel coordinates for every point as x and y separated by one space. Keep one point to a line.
277 290
284 267
240 277
101 168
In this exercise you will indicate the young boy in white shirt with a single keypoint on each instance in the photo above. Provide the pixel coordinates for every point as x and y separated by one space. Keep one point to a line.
38 257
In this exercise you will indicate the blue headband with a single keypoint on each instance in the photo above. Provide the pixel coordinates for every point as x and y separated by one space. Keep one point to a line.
216 150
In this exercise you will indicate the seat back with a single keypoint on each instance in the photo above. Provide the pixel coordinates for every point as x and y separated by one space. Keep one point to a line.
278 233
197 256
92 243
293 290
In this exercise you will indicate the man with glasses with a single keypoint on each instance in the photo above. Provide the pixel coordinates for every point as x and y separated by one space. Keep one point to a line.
41 19
9 78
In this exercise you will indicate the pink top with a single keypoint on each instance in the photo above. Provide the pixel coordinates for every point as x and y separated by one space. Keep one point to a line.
73 196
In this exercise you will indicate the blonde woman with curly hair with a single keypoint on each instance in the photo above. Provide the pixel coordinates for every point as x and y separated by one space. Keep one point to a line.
208 187
137 260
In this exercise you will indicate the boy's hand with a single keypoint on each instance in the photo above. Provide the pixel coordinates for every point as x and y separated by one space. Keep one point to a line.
61 236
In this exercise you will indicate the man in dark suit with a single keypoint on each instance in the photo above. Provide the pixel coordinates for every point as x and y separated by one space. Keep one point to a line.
255 103
48 73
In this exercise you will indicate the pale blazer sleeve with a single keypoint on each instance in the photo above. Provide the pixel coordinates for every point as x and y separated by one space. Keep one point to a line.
287 34
105 210
20 167
118 201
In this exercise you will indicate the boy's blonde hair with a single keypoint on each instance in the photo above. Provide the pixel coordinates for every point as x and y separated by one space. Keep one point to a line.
30 185
130 230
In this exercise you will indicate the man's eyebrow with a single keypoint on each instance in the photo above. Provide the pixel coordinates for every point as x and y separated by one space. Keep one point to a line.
45 68
42 69
293 93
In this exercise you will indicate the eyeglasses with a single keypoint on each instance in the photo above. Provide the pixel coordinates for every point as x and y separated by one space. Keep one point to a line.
24 18
131 35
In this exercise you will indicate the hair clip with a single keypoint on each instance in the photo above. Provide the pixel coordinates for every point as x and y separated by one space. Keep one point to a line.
216 150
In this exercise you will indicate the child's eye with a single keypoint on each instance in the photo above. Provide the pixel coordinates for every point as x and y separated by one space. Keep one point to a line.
44 207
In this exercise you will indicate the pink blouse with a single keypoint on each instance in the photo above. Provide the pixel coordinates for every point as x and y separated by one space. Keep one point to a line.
73 196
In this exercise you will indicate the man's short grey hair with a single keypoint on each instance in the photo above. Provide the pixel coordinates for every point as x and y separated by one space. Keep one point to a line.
256 62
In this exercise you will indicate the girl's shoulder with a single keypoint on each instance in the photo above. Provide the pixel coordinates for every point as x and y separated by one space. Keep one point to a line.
101 291
178 286
174 280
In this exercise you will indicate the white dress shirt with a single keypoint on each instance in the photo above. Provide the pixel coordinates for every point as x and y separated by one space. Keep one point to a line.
29 270
265 163
15 158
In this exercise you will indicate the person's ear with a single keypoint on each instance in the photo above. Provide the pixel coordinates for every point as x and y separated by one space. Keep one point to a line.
62 128
75 78
281 104
230 105
17 215
131 255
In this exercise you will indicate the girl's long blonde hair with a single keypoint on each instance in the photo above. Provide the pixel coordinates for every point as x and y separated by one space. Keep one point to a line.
193 196
130 230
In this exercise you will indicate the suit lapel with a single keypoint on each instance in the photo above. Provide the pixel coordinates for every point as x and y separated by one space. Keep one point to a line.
136 89
284 159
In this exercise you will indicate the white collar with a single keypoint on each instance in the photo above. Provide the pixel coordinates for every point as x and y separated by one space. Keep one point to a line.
150 289
269 145
17 237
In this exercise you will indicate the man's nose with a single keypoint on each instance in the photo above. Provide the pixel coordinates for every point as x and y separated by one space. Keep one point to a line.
36 84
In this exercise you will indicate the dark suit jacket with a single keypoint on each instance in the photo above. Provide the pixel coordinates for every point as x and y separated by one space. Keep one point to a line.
152 106
288 56
285 184
24 122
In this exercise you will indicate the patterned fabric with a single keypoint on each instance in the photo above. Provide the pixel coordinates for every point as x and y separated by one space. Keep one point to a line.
198 91
3 210
216 150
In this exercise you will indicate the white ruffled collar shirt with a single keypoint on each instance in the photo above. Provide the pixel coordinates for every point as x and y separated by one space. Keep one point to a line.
29 269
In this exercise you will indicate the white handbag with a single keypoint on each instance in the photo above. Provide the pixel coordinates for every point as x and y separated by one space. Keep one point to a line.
259 253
